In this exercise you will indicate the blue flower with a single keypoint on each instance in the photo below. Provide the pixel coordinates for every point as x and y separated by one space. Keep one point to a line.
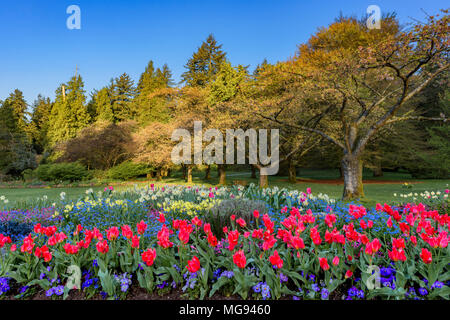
324 294
360 294
228 274
423 291
4 286
283 278
437 285
257 288
49 292
24 289
59 290
265 291
87 283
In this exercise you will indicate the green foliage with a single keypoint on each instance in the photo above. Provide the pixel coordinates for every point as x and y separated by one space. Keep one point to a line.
122 93
69 113
437 160
62 172
16 151
226 84
103 105
39 124
204 64
128 170
219 215
19 106
150 108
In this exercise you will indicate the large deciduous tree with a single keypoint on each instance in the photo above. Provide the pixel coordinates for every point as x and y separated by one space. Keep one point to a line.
358 80
100 145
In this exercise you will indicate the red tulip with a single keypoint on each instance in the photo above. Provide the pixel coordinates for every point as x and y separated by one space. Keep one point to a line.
275 260
426 256
149 256
324 263
193 265
239 259
336 260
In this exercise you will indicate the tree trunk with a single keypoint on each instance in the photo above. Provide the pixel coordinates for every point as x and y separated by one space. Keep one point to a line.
377 171
208 173
222 174
253 172
158 175
263 180
292 171
189 174
184 172
352 169
341 173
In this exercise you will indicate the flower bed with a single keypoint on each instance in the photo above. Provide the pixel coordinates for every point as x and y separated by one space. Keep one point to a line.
336 252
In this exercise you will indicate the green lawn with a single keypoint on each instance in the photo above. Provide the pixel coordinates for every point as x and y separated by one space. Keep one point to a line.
373 192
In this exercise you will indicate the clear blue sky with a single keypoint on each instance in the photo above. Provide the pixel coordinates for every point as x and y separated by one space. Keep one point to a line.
38 52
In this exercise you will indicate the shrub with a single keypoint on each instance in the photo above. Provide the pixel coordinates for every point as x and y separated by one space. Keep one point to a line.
128 170
28 174
62 172
99 146
219 215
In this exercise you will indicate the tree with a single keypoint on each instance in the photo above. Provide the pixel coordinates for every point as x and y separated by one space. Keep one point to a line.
360 80
39 124
19 106
103 106
151 107
15 147
69 113
204 63
122 95
101 145
152 144
226 83
437 159
271 90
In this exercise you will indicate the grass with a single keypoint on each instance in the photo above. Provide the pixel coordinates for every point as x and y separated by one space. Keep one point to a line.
374 193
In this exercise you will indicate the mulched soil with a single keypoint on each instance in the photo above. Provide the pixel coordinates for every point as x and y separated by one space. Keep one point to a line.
137 293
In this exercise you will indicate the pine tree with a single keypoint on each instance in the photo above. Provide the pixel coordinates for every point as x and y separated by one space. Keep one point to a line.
150 108
39 124
102 105
122 95
17 102
8 119
146 78
69 114
204 64
16 151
